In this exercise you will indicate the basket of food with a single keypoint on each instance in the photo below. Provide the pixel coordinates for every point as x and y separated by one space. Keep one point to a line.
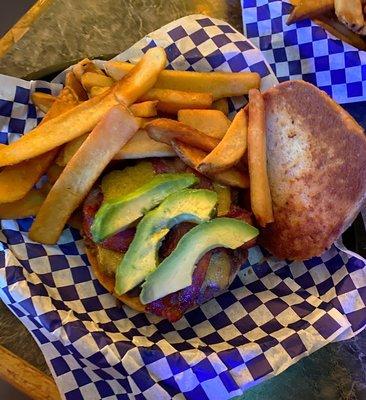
344 19
170 227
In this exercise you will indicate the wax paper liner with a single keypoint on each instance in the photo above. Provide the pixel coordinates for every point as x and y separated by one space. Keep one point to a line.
305 50
274 313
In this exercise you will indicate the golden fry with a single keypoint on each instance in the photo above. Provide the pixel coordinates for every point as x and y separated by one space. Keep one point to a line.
90 79
350 13
165 130
70 148
17 180
113 131
84 117
171 101
231 148
97 90
310 9
141 78
139 146
131 150
211 122
84 66
193 156
74 85
260 195
146 109
142 146
43 101
26 207
219 84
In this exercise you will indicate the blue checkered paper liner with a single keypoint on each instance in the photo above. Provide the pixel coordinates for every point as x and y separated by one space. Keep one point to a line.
274 314
305 50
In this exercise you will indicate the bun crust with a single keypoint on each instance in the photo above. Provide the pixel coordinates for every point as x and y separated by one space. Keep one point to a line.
317 170
108 282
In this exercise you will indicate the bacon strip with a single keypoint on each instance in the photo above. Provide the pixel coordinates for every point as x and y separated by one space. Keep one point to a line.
118 242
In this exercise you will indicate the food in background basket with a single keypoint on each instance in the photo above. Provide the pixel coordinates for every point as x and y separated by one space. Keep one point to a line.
345 19
169 207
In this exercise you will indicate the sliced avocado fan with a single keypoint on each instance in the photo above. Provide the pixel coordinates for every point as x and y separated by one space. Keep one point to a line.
117 214
175 272
141 258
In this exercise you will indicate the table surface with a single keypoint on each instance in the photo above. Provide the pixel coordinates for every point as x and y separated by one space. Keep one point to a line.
69 30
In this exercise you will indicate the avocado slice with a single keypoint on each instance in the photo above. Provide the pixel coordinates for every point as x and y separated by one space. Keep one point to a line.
117 214
141 258
175 272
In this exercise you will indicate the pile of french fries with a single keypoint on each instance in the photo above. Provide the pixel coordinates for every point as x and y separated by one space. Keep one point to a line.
345 19
132 112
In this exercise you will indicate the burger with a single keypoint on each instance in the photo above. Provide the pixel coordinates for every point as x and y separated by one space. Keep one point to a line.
185 250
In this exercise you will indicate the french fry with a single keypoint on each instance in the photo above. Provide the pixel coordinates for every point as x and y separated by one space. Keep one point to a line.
171 101
336 28
113 131
141 78
43 101
211 122
219 84
350 13
144 121
260 195
97 90
17 180
84 66
193 156
84 117
70 148
26 207
165 130
142 146
90 79
221 105
146 109
231 148
74 85
310 9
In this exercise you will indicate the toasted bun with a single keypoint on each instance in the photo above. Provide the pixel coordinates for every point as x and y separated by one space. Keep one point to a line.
317 170
109 282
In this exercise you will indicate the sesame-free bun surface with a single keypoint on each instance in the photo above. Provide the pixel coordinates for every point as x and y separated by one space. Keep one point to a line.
316 158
